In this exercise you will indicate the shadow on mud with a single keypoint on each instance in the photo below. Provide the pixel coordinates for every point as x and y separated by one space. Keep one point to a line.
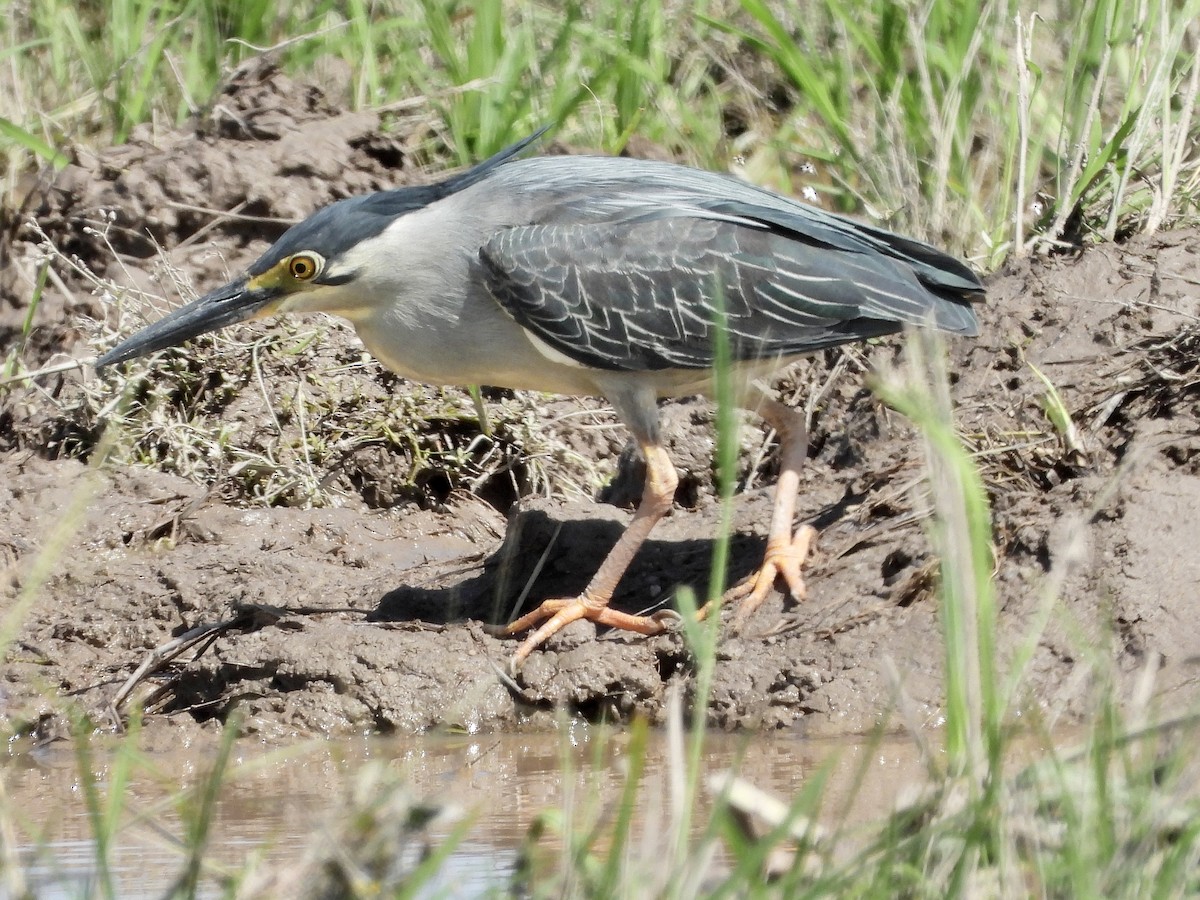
544 557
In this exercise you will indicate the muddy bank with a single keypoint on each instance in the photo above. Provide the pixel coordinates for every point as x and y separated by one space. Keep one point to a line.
359 531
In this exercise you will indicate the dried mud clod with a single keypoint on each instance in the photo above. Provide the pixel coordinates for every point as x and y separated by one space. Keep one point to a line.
280 468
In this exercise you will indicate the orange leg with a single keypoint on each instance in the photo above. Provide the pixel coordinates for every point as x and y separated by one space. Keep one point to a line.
786 552
554 615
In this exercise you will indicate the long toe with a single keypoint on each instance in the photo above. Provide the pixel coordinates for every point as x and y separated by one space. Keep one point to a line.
556 615
784 560
546 610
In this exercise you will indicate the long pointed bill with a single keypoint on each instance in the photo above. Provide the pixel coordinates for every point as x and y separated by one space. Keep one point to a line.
228 305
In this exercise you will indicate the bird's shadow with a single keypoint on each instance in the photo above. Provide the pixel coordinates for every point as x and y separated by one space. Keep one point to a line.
543 557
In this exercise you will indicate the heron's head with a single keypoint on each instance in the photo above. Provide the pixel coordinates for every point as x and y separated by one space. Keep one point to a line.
316 266
313 267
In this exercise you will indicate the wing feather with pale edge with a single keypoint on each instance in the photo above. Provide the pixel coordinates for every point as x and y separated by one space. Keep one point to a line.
647 291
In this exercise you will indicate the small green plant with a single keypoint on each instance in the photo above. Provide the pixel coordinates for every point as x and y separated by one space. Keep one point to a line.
14 354
16 136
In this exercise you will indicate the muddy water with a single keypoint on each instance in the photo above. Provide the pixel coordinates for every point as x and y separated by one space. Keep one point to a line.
275 803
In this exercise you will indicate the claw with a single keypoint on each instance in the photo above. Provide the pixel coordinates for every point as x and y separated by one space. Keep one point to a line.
784 559
555 615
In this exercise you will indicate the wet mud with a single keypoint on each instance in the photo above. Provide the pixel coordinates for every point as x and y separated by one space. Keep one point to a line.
366 610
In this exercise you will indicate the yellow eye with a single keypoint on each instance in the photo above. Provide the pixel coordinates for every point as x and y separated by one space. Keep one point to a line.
302 266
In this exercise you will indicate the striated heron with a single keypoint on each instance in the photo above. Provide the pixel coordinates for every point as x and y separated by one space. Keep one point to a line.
588 275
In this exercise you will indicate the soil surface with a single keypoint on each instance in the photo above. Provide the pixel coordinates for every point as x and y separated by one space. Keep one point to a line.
349 578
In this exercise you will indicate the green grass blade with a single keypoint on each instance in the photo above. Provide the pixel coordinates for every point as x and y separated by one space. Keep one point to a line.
962 537
14 134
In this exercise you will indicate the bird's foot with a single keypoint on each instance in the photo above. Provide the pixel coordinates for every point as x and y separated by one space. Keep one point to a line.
784 558
555 615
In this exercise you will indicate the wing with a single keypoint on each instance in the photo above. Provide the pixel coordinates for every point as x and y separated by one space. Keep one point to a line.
648 291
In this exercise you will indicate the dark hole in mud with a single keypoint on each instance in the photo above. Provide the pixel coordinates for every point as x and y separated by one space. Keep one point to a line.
624 491
386 475
61 439
255 224
733 122
895 563
204 698
673 663
614 703
7 431
383 151
434 486
1182 455
1032 542
780 97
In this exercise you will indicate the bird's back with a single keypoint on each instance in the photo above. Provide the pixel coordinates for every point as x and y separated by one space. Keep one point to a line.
627 264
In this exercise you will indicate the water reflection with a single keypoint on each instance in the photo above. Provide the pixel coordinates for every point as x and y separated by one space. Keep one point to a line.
276 802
